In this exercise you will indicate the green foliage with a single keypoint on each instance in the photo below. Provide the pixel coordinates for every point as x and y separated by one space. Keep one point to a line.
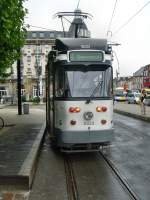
36 100
23 98
12 32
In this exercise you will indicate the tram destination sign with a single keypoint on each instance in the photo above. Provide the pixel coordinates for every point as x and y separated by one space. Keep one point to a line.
86 56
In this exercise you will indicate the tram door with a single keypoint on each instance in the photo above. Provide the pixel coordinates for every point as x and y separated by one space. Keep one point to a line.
49 101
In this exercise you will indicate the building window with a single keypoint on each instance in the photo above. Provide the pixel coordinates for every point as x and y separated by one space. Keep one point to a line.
34 91
28 69
41 35
51 35
23 91
34 35
59 35
3 92
38 49
28 58
38 58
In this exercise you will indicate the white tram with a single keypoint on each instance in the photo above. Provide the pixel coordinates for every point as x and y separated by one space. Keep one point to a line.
79 106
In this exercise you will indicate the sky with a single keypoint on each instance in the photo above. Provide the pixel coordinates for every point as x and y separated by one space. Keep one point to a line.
134 38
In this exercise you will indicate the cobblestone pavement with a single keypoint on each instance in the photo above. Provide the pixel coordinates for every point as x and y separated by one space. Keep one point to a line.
16 141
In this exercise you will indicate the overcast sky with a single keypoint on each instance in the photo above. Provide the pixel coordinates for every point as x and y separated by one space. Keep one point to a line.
134 51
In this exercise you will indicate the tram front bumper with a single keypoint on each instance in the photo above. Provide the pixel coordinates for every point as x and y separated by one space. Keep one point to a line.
68 138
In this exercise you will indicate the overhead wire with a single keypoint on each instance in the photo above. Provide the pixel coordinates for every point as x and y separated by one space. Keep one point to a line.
109 26
132 17
40 27
78 4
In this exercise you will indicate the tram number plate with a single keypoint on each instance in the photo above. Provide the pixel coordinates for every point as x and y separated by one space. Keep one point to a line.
88 123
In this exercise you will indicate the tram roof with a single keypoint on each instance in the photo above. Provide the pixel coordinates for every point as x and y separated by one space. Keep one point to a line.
65 44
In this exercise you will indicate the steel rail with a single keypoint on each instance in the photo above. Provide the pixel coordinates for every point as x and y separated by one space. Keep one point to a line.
70 179
120 177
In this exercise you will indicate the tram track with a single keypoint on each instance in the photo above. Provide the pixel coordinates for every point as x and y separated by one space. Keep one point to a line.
83 176
72 178
121 179
72 190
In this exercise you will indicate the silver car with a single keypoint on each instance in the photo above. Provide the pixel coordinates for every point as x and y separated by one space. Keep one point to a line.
147 101
133 98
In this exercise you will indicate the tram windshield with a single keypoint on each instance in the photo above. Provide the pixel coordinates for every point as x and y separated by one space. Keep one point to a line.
83 83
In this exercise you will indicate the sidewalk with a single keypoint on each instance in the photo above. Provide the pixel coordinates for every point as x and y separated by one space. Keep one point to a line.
132 110
20 140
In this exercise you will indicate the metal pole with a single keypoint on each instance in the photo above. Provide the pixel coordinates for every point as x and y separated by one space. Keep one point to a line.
19 87
37 65
76 30
63 26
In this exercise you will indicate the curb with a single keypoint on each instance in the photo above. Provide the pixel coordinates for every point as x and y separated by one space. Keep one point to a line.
25 176
29 166
141 117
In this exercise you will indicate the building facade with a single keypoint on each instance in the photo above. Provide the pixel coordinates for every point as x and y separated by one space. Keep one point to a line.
139 80
33 62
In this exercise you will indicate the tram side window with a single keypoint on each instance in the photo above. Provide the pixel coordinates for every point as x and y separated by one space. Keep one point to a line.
62 88
108 82
59 83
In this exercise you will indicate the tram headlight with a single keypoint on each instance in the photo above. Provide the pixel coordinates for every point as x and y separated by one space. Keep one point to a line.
101 109
71 109
74 109
77 109
104 108
98 109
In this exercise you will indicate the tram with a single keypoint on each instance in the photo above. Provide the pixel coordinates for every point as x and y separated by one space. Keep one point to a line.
79 108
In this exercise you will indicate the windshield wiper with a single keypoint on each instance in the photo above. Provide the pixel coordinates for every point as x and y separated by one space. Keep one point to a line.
93 92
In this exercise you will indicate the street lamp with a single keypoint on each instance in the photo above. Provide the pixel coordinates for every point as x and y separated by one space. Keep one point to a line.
39 74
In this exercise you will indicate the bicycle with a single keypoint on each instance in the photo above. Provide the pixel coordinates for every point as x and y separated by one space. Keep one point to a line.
1 123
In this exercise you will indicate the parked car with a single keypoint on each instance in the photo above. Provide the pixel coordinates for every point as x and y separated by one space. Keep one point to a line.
147 90
147 101
133 98
120 97
135 91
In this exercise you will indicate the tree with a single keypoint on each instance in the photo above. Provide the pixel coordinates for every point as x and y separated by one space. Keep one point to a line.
12 32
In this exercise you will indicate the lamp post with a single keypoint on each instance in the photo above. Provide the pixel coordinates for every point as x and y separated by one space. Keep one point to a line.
19 86
39 74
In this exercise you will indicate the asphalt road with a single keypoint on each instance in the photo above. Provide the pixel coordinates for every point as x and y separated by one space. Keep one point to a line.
130 152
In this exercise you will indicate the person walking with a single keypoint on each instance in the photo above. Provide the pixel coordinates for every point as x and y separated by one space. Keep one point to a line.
143 96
